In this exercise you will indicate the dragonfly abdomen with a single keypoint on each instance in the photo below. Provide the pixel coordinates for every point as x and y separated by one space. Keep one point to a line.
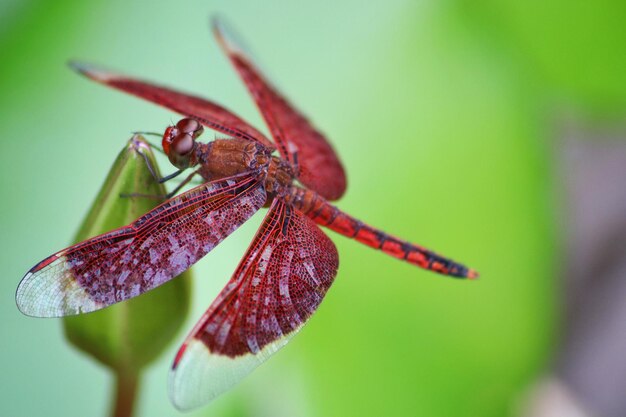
327 215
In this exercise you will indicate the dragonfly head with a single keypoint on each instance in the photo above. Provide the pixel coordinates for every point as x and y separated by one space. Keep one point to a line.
179 141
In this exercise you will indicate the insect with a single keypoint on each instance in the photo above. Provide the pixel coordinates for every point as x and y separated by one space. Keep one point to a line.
284 274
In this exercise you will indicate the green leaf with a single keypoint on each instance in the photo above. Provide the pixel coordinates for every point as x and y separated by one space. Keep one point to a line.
129 335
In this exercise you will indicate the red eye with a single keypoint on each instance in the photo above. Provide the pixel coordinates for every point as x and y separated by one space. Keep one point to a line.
169 134
182 144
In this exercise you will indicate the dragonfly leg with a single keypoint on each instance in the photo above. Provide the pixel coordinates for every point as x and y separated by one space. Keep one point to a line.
164 196
169 177
158 179
181 185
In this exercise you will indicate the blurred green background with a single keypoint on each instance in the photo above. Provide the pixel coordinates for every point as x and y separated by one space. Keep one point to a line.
444 114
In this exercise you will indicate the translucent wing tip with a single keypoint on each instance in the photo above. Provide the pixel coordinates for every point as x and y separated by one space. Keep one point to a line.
48 290
198 376
93 71
33 297
216 22
227 37
26 302
218 25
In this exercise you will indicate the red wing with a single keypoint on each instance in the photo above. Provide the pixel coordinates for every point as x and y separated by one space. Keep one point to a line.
297 140
206 112
133 259
279 283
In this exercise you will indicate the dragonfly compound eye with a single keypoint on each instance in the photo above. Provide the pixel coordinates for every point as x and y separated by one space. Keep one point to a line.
182 144
191 126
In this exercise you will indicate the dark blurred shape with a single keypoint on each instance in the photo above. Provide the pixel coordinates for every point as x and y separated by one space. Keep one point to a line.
589 367
591 359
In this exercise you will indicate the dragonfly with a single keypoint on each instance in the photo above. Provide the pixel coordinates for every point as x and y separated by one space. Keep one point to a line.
288 267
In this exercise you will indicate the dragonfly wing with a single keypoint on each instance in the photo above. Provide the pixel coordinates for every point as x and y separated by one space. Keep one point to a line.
279 283
297 140
136 258
206 112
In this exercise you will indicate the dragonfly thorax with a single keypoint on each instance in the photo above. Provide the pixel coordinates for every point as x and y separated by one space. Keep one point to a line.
224 158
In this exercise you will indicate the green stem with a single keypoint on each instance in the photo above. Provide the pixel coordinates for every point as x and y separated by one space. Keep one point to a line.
126 388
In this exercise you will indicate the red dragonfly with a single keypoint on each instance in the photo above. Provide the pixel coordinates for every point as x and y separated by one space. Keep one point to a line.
289 266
